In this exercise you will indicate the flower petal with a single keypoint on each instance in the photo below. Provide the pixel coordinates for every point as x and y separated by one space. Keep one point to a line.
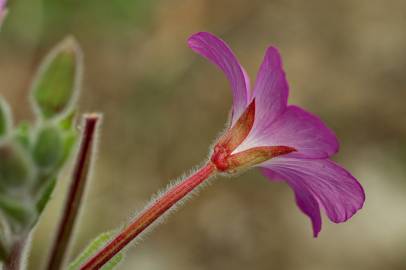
332 186
298 129
218 52
271 90
309 206
304 199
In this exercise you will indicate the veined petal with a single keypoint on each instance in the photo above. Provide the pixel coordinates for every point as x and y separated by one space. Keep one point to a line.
218 52
298 129
338 192
304 199
271 91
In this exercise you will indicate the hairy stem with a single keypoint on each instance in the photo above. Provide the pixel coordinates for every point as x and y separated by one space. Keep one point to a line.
148 216
60 247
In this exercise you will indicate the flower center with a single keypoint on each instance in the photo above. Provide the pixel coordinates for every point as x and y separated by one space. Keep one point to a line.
219 157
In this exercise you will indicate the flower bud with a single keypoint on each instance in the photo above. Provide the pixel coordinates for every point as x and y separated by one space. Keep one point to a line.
48 148
15 166
57 82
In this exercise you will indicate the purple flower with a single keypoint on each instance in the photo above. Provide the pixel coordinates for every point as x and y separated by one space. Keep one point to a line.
284 141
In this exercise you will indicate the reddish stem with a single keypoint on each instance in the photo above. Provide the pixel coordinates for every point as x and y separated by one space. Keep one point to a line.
73 201
147 217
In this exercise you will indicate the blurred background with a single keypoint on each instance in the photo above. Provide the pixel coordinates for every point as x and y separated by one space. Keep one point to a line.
163 106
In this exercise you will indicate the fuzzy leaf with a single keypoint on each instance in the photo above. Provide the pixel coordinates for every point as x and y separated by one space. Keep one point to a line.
92 248
57 82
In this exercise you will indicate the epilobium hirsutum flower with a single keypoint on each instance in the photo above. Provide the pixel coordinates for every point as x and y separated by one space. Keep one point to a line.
284 141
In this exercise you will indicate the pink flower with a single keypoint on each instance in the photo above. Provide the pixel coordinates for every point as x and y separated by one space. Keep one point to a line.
284 141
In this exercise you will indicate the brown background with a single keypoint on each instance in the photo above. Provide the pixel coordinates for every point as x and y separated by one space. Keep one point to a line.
163 105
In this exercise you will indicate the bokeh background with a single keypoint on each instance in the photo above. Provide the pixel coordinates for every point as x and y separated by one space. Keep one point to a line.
163 105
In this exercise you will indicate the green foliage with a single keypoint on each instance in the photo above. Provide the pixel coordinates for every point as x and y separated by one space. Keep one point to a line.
92 248
32 155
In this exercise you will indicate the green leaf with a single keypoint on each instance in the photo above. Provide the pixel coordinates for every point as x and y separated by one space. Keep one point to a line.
92 248
48 148
15 167
57 82
46 194
67 122
69 141
5 118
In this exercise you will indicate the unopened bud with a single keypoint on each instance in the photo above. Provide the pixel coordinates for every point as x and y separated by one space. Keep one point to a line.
15 166
57 82
48 147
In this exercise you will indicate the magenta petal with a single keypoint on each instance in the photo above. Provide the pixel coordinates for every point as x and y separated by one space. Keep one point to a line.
332 186
271 175
304 132
271 90
308 204
298 129
304 199
218 52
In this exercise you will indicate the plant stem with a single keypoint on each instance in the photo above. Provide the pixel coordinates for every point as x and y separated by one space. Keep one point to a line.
60 247
148 216
16 257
